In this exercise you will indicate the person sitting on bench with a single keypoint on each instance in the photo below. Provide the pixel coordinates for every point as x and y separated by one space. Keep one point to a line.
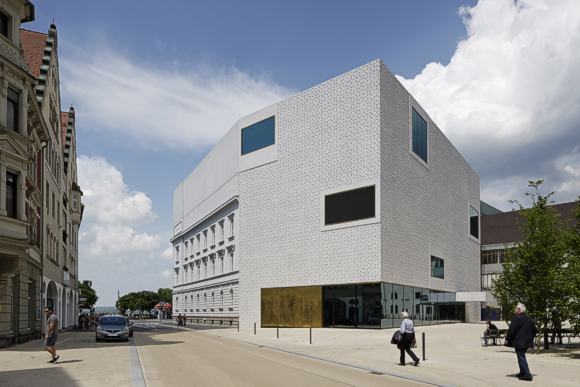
490 332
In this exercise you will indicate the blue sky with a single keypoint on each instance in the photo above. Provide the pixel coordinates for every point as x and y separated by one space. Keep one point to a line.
156 84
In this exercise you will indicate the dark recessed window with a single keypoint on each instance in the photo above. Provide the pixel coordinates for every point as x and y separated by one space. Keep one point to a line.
474 222
350 205
437 267
4 24
258 135
11 195
12 109
419 126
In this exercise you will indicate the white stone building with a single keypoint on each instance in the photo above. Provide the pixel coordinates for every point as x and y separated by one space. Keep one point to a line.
351 206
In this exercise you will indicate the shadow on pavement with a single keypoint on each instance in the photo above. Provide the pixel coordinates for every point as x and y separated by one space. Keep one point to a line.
51 376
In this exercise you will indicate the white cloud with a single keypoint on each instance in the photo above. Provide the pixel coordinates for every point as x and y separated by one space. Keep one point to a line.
107 198
115 252
508 96
167 253
161 108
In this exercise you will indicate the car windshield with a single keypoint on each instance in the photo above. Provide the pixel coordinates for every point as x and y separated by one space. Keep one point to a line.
113 321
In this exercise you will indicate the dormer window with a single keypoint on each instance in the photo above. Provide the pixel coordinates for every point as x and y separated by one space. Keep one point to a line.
4 21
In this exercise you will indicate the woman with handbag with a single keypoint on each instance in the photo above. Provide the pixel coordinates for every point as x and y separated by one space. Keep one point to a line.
408 331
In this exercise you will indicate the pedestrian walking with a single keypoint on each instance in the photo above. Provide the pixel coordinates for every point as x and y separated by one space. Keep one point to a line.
408 337
51 335
521 336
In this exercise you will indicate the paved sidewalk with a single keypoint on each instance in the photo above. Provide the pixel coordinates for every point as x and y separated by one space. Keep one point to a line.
454 354
82 363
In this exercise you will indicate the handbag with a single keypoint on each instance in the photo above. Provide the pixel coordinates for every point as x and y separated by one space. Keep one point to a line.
397 337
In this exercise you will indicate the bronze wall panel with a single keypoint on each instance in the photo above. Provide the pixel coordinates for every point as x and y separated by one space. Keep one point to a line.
294 307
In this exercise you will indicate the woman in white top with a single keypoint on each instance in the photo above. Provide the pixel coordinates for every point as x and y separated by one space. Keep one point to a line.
408 332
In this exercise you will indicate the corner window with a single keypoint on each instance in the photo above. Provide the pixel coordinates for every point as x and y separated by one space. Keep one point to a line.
419 135
348 206
473 222
259 135
11 195
437 267
12 109
4 21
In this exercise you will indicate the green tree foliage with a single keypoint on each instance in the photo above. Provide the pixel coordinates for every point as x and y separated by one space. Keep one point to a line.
89 293
165 294
540 271
574 252
144 300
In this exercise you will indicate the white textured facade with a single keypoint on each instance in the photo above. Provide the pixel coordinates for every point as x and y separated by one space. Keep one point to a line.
349 132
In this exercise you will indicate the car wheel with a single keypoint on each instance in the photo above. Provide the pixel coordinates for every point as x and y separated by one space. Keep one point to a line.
97 340
127 340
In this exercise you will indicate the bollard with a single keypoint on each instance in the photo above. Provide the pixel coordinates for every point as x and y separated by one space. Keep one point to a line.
277 332
310 335
423 344
254 329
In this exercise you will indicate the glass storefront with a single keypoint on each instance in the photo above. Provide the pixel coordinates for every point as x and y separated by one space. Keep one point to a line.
371 305
378 305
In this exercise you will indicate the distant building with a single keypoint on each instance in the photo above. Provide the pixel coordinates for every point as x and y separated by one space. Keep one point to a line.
342 205
500 232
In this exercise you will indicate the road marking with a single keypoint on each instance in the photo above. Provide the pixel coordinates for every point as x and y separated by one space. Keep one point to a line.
137 377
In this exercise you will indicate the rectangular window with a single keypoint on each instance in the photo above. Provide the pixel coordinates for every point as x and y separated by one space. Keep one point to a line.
437 267
11 195
348 206
419 135
259 135
473 222
12 110
4 20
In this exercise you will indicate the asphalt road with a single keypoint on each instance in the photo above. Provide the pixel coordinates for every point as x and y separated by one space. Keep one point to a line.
175 357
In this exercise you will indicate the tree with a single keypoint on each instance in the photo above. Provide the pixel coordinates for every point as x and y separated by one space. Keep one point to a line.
165 295
89 293
573 241
144 300
539 270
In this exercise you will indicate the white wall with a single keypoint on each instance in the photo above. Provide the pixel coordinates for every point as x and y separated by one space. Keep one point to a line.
328 137
425 207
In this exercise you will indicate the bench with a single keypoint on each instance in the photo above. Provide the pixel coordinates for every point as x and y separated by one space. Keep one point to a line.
494 336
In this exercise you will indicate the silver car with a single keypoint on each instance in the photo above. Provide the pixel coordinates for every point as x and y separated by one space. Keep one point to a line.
113 328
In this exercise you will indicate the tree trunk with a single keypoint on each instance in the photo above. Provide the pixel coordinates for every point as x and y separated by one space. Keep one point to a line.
546 342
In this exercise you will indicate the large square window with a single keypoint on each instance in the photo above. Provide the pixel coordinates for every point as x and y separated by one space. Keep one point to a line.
419 135
437 267
473 222
259 135
348 206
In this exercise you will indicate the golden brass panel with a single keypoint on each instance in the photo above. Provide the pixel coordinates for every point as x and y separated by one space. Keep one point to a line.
295 307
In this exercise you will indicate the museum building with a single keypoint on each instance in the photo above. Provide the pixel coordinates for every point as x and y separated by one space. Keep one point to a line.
340 206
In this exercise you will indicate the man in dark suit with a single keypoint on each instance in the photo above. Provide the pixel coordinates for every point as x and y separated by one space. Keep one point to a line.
521 336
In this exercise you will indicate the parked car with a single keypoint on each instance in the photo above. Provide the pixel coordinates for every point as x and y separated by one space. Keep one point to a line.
113 327
130 325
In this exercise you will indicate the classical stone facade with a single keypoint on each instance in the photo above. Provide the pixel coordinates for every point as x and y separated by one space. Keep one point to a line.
352 207
40 200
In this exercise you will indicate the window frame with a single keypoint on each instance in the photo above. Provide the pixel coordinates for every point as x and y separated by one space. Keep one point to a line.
247 152
413 105
478 237
13 100
7 25
434 257
353 223
15 191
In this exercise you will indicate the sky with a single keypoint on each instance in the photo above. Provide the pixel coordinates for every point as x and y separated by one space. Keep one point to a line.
156 84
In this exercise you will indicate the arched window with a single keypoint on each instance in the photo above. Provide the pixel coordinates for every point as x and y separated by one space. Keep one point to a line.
221 299
232 299
212 300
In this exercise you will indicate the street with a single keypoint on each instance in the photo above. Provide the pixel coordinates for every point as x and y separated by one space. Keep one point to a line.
161 355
